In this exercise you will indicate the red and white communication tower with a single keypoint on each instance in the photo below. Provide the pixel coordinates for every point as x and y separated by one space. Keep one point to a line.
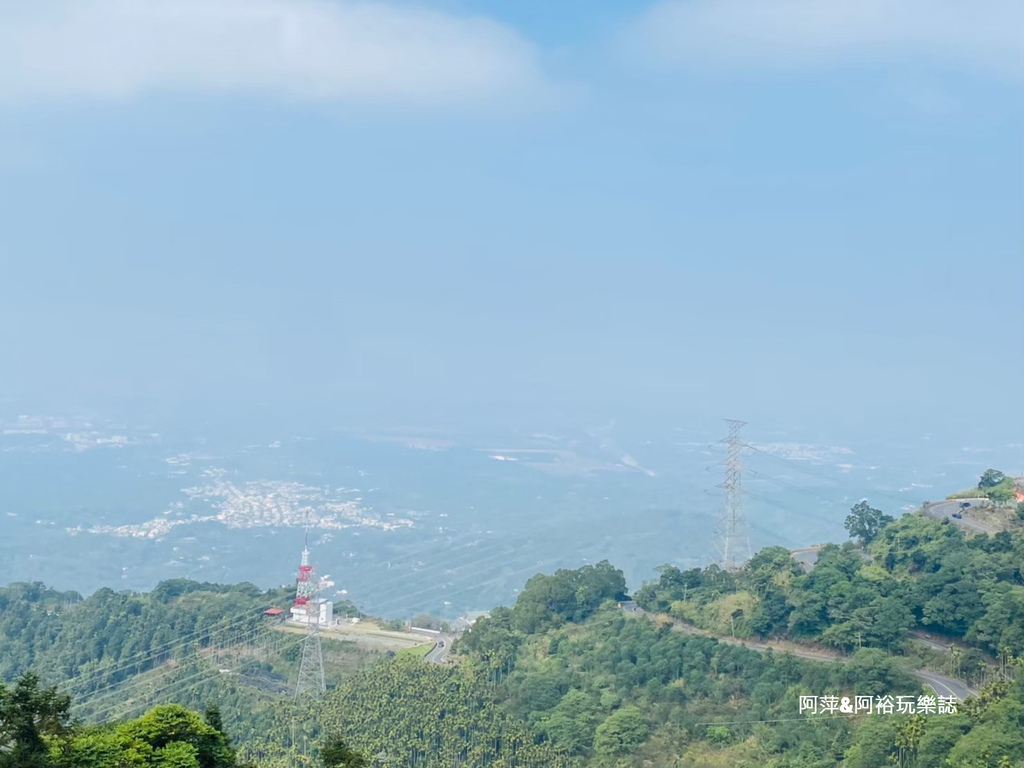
311 670
305 591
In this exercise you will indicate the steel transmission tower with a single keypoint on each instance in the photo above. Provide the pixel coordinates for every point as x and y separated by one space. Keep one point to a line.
732 545
311 670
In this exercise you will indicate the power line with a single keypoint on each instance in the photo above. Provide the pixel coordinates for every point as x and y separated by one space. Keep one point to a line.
142 657
801 467
791 486
784 508
251 640
104 712
163 671
81 681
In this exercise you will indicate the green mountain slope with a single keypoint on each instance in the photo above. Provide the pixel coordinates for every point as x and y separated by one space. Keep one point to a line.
564 677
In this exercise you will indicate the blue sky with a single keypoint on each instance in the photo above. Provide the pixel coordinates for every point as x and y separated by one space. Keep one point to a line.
773 210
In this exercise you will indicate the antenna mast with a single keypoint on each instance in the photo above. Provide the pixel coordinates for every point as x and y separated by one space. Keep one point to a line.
732 545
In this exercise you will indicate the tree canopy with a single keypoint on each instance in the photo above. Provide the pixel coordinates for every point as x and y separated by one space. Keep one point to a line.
36 732
336 753
864 522
561 679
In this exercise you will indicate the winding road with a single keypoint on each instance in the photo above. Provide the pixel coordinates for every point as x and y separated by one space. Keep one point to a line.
943 510
439 653
942 685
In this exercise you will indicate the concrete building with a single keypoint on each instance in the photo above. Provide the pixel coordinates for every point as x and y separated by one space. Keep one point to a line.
303 614
326 613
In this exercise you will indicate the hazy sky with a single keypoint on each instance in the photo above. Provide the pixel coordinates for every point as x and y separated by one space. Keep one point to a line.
766 209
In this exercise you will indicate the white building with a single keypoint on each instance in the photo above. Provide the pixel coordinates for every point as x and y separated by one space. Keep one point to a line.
326 613
302 614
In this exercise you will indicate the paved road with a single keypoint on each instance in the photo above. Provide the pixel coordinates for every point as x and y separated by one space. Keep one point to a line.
442 644
942 685
439 653
943 510
938 642
632 607
807 557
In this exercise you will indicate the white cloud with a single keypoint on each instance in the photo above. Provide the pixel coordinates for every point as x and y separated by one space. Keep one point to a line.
983 35
305 49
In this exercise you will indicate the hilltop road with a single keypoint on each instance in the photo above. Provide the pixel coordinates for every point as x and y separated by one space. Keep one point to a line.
942 685
943 510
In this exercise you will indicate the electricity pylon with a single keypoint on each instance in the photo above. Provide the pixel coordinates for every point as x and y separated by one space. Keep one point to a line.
311 669
732 544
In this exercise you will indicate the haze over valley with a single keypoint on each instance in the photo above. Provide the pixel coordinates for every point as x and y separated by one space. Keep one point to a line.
411 521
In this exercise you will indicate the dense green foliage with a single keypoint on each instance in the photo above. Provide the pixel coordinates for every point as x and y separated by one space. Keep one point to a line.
30 714
915 574
997 486
864 522
407 713
124 632
549 601
993 485
562 678
336 753
36 732
622 689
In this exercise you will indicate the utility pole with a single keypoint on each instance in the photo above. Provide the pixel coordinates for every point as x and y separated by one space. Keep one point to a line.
311 670
732 545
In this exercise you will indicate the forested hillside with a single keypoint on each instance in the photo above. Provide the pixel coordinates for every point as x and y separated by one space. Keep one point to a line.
37 731
70 637
913 574
624 690
564 677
